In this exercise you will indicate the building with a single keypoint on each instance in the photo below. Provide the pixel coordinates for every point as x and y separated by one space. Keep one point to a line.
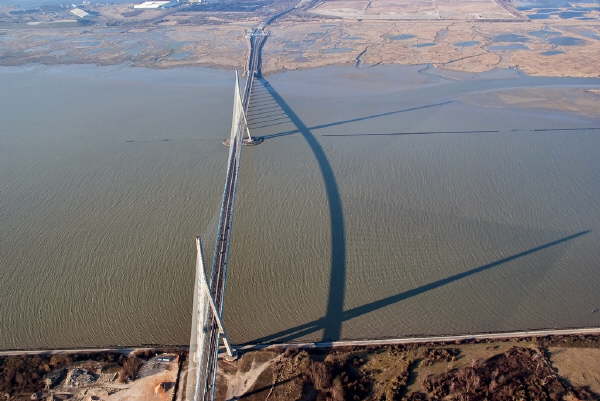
78 12
150 5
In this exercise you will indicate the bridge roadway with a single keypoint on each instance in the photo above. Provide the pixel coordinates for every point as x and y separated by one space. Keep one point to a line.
219 268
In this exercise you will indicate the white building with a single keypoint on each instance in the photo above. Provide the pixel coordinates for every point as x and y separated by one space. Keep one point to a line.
149 5
78 12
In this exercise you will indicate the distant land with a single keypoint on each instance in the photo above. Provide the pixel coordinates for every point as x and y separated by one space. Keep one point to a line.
550 38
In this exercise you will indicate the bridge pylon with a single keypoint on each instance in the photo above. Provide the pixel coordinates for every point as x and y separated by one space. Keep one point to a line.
239 113
204 288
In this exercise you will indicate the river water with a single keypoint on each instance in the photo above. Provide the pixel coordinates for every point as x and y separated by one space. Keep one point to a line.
384 202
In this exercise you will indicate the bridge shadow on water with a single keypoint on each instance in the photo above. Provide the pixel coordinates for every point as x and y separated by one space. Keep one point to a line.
331 322
356 119
268 112
577 130
335 315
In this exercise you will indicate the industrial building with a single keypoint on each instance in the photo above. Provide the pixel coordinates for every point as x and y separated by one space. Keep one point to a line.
150 5
78 12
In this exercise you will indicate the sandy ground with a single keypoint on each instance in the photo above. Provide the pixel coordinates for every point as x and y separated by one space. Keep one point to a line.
241 381
147 389
581 366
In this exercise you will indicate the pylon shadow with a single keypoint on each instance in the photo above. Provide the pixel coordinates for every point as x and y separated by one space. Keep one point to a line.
294 333
335 315
352 120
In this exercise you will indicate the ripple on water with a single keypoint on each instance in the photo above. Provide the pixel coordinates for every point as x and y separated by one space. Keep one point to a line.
430 222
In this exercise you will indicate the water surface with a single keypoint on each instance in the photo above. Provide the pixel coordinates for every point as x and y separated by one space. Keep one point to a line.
552 52
106 175
566 41
514 46
390 210
467 43
403 36
383 203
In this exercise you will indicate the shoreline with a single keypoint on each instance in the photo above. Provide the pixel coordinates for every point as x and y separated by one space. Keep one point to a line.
326 344
418 367
270 73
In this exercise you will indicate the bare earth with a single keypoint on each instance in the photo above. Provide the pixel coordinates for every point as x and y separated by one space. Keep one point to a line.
462 35
550 368
580 366
90 375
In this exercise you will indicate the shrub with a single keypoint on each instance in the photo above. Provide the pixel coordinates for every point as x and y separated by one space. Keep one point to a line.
129 369
321 376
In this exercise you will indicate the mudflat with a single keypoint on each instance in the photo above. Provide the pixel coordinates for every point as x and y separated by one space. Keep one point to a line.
462 35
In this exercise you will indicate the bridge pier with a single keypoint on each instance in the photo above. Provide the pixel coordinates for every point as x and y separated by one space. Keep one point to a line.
211 301
248 139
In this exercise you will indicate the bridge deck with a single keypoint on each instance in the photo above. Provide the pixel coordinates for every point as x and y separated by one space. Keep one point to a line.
205 328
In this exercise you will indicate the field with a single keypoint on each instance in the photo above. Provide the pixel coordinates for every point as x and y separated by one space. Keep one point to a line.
464 35
559 368
545 368
407 9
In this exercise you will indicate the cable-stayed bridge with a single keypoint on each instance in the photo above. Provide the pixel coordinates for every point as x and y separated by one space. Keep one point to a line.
207 328
208 298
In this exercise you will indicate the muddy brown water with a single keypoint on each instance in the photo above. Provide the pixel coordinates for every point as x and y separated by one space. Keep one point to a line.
382 203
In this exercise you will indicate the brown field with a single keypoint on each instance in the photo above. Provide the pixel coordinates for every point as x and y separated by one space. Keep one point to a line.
356 32
411 9
310 43
559 368
546 368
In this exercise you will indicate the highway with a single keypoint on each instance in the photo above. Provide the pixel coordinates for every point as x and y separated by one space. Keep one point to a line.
218 278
